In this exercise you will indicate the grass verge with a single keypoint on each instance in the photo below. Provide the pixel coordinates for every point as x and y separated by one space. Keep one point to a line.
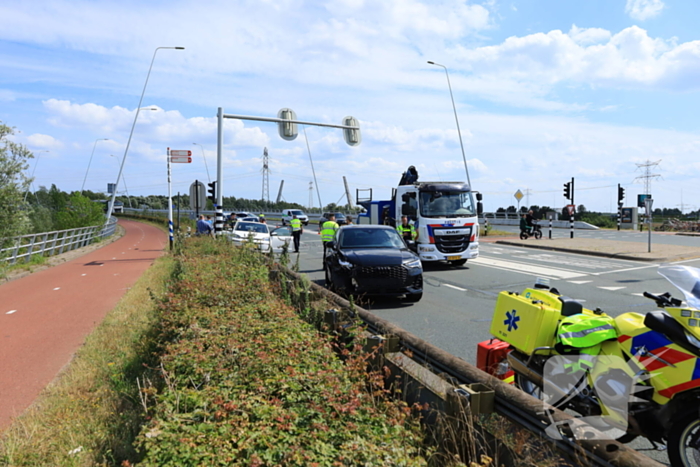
91 413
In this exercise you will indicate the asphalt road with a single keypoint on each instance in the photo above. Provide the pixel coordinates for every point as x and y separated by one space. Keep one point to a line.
657 238
458 302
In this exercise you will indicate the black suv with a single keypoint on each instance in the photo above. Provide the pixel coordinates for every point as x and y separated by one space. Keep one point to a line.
339 218
373 260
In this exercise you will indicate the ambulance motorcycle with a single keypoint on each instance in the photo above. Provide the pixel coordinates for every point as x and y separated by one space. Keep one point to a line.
634 375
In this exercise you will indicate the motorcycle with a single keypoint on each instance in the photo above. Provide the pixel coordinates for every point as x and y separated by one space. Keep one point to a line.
633 375
534 232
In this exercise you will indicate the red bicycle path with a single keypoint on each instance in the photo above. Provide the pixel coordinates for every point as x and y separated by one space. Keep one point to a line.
46 316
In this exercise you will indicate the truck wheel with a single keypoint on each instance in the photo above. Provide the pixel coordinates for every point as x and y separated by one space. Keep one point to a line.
683 441
414 297
458 262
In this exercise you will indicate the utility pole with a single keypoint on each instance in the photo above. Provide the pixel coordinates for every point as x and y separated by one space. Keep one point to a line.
647 177
266 177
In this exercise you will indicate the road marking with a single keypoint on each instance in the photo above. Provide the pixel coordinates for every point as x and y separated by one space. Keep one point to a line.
612 289
527 268
10 312
57 288
83 274
579 282
455 287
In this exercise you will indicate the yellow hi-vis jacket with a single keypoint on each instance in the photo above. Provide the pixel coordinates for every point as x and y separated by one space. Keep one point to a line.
404 230
328 230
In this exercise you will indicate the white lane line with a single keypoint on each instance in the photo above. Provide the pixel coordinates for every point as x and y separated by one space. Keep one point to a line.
612 289
83 274
455 287
527 268
57 288
579 282
10 312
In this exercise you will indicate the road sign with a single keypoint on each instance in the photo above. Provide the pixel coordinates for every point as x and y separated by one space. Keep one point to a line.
571 208
198 196
181 156
641 200
180 159
519 195
111 188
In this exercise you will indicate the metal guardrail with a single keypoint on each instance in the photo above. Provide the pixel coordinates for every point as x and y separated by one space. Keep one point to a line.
54 243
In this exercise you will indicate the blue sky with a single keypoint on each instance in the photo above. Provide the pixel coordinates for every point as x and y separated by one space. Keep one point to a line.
545 90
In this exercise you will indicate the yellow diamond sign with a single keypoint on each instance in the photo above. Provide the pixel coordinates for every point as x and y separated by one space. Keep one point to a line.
518 195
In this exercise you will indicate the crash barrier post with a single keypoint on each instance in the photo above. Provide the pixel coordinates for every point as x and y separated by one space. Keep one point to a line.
52 243
423 385
550 227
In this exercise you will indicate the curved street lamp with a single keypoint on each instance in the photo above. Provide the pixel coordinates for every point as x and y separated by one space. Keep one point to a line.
464 157
205 160
34 170
131 134
90 162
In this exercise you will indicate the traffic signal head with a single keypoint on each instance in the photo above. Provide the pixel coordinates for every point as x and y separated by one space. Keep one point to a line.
620 194
352 136
567 190
287 130
212 192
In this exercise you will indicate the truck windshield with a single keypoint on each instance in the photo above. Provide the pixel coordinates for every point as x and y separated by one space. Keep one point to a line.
446 204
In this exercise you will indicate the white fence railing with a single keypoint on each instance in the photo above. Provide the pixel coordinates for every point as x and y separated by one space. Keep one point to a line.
54 243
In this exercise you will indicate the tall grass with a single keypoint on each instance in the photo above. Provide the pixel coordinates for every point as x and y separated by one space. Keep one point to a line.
91 413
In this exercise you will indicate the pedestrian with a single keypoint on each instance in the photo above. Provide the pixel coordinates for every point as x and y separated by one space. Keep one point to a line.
297 230
328 230
261 218
407 231
204 227
348 220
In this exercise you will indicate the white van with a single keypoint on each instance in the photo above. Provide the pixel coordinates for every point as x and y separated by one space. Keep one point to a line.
288 215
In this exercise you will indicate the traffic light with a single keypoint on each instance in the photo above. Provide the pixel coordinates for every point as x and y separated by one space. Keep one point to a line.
212 192
620 194
287 130
567 190
352 137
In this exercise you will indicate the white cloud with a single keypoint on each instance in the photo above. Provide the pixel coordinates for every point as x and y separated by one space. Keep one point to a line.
39 141
629 58
161 126
643 9
587 36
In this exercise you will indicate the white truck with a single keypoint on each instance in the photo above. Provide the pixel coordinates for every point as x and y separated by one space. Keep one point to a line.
443 213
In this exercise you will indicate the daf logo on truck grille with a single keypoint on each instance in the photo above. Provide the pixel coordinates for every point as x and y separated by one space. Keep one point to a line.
450 232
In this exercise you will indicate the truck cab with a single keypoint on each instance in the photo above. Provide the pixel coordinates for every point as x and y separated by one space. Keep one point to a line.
444 214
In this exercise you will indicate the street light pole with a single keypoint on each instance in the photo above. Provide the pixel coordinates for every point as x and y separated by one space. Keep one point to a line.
205 160
464 157
131 134
125 187
34 170
90 162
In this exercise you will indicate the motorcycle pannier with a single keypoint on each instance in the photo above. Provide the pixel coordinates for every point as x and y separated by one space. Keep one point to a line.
524 323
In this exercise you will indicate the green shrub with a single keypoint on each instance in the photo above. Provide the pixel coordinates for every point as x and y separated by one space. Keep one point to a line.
246 382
